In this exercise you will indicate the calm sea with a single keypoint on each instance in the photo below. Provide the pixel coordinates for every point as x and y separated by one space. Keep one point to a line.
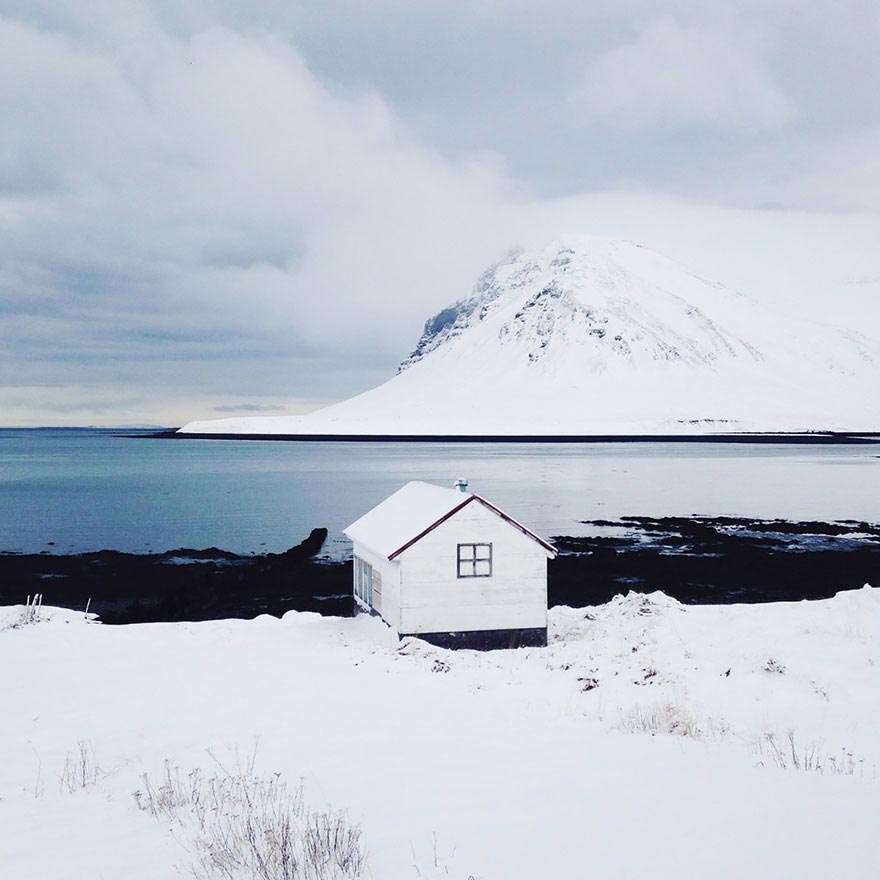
84 489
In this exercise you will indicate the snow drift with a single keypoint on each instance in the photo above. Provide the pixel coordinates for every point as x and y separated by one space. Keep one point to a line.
593 336
638 743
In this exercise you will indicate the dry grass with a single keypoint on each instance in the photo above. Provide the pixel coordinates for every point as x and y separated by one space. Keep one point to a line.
80 768
32 613
787 754
252 827
667 718
672 719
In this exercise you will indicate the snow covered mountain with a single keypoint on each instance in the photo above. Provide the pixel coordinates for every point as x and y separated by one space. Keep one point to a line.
594 336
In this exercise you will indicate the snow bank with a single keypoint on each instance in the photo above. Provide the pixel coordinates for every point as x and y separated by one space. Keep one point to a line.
629 747
19 616
748 670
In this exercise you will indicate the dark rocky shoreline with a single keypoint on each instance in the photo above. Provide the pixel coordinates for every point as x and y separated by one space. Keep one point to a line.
697 560
182 584
779 438
716 560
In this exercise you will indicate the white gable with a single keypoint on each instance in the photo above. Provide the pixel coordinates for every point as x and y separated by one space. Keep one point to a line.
404 515
413 510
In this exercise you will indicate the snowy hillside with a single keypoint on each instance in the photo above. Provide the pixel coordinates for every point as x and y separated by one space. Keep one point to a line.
594 336
648 739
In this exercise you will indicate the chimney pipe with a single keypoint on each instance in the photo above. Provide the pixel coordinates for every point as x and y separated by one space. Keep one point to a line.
461 485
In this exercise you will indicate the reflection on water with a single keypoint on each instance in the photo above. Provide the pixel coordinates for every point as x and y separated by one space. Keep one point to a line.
88 489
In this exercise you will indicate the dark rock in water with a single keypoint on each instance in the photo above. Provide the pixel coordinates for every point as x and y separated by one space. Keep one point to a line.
306 549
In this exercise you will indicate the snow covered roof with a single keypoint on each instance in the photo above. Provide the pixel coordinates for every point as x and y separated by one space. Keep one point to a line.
414 510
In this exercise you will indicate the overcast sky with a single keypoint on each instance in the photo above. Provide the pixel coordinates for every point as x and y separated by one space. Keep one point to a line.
211 208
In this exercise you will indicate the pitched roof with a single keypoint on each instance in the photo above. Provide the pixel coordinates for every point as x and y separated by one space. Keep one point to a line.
414 510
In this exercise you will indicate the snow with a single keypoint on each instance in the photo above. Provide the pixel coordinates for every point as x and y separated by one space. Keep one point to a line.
411 510
404 515
509 764
597 336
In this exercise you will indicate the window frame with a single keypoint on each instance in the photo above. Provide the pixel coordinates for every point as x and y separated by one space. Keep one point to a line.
363 582
473 559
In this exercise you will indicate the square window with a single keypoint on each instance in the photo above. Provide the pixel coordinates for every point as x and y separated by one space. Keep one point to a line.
474 560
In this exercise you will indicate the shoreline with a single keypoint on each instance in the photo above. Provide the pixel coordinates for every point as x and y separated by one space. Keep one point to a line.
818 437
696 560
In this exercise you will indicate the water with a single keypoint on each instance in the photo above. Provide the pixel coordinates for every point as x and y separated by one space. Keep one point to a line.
90 489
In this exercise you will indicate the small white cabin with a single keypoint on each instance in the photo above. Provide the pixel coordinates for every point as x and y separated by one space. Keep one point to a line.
449 567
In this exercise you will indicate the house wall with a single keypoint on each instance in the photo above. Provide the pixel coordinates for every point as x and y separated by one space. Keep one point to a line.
389 573
433 599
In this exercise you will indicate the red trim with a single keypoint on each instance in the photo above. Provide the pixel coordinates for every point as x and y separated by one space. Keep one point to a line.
520 526
433 526
549 547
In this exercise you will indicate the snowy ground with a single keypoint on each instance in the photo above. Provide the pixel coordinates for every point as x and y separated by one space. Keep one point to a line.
635 745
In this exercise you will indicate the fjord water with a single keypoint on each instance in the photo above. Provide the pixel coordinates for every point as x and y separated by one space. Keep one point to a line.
87 489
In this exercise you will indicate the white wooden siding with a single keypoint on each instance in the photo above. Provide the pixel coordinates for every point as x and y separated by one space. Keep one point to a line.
377 590
434 599
386 584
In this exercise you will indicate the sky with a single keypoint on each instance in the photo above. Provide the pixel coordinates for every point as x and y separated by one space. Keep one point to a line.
220 208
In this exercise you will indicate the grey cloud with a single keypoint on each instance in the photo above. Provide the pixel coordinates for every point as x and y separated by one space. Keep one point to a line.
501 77
687 77
223 196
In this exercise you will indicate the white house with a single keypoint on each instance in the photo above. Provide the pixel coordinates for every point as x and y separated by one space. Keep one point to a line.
449 567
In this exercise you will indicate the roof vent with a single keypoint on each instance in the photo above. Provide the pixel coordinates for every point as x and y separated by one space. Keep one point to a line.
461 485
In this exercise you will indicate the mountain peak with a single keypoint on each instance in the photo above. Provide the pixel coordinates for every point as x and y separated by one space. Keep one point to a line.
592 336
613 298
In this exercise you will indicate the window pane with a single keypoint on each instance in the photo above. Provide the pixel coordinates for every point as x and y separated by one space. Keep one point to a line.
363 581
474 560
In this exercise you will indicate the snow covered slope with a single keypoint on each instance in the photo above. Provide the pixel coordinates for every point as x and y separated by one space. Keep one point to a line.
648 739
595 336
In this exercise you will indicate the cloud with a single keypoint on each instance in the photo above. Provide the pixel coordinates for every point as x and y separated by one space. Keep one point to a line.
690 76
249 407
109 405
266 201
838 171
220 203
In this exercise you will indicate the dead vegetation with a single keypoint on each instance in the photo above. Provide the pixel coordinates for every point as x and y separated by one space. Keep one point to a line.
81 768
787 754
667 718
672 719
248 826
31 614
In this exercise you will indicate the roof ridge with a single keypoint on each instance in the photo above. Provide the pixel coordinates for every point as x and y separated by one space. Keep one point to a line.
388 528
